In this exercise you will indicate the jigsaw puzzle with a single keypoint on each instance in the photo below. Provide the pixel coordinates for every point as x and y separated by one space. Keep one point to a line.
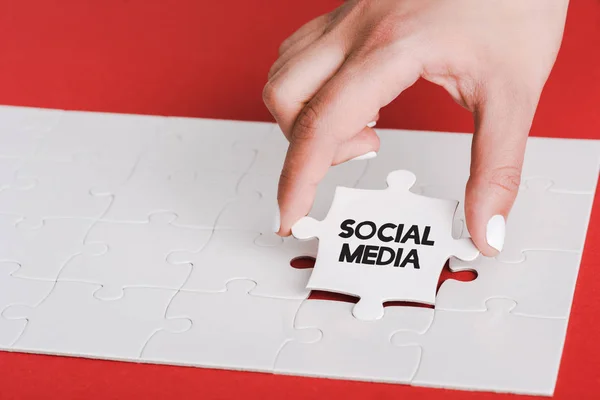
383 245
147 239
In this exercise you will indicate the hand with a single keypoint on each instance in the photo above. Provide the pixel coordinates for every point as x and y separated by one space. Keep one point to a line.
336 72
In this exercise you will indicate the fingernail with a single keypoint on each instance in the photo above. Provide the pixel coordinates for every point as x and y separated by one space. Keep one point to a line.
366 156
371 124
276 220
495 232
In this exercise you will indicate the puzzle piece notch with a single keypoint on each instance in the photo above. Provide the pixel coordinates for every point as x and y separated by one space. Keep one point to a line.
542 285
217 320
137 256
494 350
71 321
351 348
232 255
341 269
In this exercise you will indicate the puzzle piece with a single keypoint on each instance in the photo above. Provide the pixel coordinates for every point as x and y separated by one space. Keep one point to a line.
62 189
15 290
233 255
383 245
55 242
258 193
72 321
196 197
111 138
231 329
350 348
191 144
492 350
8 171
542 285
136 256
541 219
571 165
22 128
405 150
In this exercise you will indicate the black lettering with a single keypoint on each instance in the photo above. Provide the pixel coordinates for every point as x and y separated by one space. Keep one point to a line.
347 230
413 258
380 234
382 251
398 257
399 233
369 255
370 235
426 241
346 256
413 233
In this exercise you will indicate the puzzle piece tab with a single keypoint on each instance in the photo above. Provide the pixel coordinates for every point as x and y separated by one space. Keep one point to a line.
384 245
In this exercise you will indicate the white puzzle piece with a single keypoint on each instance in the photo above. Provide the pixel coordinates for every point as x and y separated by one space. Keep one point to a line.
230 255
72 321
22 128
350 348
492 350
14 291
544 220
114 138
55 242
137 256
197 198
191 144
8 171
62 189
383 245
542 285
230 329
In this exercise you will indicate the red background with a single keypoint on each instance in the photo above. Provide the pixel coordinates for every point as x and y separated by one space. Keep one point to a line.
210 59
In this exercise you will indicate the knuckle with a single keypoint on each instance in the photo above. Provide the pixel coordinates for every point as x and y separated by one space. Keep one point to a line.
272 95
307 123
505 179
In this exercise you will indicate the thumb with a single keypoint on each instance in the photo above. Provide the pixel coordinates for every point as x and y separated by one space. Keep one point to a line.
502 125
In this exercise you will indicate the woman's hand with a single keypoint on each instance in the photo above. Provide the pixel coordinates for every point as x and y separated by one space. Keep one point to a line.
336 72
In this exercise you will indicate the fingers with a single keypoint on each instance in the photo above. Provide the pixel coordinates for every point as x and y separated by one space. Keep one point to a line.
316 25
337 113
502 124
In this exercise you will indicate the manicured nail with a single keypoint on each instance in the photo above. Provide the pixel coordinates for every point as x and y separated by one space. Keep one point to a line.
495 232
276 220
371 124
366 156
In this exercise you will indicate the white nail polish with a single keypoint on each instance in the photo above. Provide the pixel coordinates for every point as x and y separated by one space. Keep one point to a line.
366 156
495 232
276 220
371 124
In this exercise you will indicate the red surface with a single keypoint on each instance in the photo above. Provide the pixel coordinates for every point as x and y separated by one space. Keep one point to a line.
210 59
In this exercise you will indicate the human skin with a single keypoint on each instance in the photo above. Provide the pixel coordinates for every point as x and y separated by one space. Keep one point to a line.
336 72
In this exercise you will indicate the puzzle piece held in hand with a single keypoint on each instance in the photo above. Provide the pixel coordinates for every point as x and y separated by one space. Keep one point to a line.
384 245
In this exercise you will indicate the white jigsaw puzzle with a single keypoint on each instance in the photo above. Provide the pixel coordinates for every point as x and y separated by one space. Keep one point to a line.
384 245
351 348
230 329
95 206
491 350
